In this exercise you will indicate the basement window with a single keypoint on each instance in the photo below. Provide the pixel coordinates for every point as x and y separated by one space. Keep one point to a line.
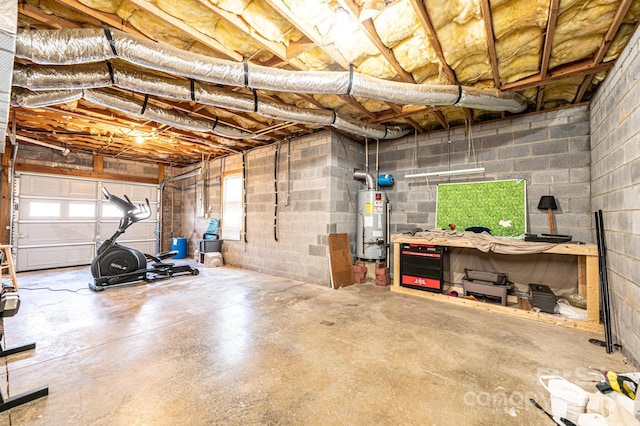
231 224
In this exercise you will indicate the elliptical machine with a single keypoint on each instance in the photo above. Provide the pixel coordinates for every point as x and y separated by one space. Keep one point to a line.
117 265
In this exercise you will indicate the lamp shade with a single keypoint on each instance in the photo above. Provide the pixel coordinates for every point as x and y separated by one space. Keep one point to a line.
547 202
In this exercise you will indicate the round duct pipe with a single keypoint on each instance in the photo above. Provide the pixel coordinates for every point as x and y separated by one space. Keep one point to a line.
83 45
69 79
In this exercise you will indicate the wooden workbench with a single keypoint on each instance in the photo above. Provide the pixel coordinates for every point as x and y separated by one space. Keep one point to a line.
588 283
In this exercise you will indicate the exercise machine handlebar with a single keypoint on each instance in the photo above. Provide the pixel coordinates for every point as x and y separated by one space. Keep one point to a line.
133 213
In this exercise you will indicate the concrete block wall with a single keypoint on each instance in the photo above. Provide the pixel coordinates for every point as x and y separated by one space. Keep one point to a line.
615 152
347 156
550 150
315 173
41 156
129 168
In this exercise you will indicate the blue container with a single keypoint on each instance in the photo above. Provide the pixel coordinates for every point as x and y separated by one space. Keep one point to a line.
385 180
179 244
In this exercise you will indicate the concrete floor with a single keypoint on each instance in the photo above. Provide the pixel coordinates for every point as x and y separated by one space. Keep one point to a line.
236 347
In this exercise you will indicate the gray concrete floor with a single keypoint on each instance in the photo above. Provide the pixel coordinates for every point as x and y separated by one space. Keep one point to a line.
236 347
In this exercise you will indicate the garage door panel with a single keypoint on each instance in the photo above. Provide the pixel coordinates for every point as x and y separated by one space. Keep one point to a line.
60 219
50 209
143 246
136 193
47 186
82 189
55 233
139 231
30 259
110 212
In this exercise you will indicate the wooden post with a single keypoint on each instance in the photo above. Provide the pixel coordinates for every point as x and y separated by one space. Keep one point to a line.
160 173
5 204
98 164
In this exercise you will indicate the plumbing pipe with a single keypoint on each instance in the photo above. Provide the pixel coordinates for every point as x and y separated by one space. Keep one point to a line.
365 176
65 151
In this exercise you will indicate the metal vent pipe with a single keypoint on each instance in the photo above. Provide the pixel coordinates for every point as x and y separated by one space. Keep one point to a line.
365 176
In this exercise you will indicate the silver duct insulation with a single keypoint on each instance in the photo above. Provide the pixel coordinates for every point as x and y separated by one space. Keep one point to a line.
27 99
76 46
8 29
40 78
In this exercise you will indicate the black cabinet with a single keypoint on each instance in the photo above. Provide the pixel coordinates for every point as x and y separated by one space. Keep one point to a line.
424 266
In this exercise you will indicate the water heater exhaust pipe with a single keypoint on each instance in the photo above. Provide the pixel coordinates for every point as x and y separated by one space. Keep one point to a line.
366 176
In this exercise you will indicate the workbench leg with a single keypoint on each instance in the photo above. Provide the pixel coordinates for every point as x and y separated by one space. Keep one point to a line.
592 276
396 265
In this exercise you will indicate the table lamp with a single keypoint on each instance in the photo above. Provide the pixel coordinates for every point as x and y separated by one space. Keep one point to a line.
548 202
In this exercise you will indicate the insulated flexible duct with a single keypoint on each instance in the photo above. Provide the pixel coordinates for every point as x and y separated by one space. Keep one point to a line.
27 99
76 46
99 75
8 29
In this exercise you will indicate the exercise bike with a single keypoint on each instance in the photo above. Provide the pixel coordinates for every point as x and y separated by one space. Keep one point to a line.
117 265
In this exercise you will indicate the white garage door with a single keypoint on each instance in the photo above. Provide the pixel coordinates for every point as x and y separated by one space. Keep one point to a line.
59 221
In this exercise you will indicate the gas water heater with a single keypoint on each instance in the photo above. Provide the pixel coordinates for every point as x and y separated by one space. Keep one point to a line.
371 231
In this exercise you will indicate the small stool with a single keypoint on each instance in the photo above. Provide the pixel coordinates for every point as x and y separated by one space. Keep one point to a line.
6 262
213 260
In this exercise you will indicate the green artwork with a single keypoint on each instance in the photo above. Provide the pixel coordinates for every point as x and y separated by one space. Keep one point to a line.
498 205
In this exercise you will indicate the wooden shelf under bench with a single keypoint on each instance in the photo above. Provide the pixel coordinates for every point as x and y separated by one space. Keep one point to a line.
588 284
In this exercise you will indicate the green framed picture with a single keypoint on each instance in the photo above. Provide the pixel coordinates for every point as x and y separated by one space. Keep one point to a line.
500 206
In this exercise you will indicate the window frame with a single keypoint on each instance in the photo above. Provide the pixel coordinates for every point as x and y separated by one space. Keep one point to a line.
235 232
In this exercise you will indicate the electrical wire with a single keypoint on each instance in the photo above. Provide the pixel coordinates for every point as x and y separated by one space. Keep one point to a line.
275 185
58 289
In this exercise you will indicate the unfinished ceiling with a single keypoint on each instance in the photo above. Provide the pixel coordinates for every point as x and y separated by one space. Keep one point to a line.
229 75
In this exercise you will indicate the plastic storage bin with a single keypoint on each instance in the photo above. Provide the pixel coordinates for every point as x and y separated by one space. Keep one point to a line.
567 400
179 244
209 246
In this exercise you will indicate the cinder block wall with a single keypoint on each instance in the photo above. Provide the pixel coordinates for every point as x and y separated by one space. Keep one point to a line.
41 156
615 152
550 150
315 173
347 156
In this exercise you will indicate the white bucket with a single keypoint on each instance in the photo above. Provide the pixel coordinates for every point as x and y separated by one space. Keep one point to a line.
567 400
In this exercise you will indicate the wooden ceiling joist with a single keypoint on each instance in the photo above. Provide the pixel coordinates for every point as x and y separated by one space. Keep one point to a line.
429 29
49 20
557 74
180 25
309 32
491 44
113 21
